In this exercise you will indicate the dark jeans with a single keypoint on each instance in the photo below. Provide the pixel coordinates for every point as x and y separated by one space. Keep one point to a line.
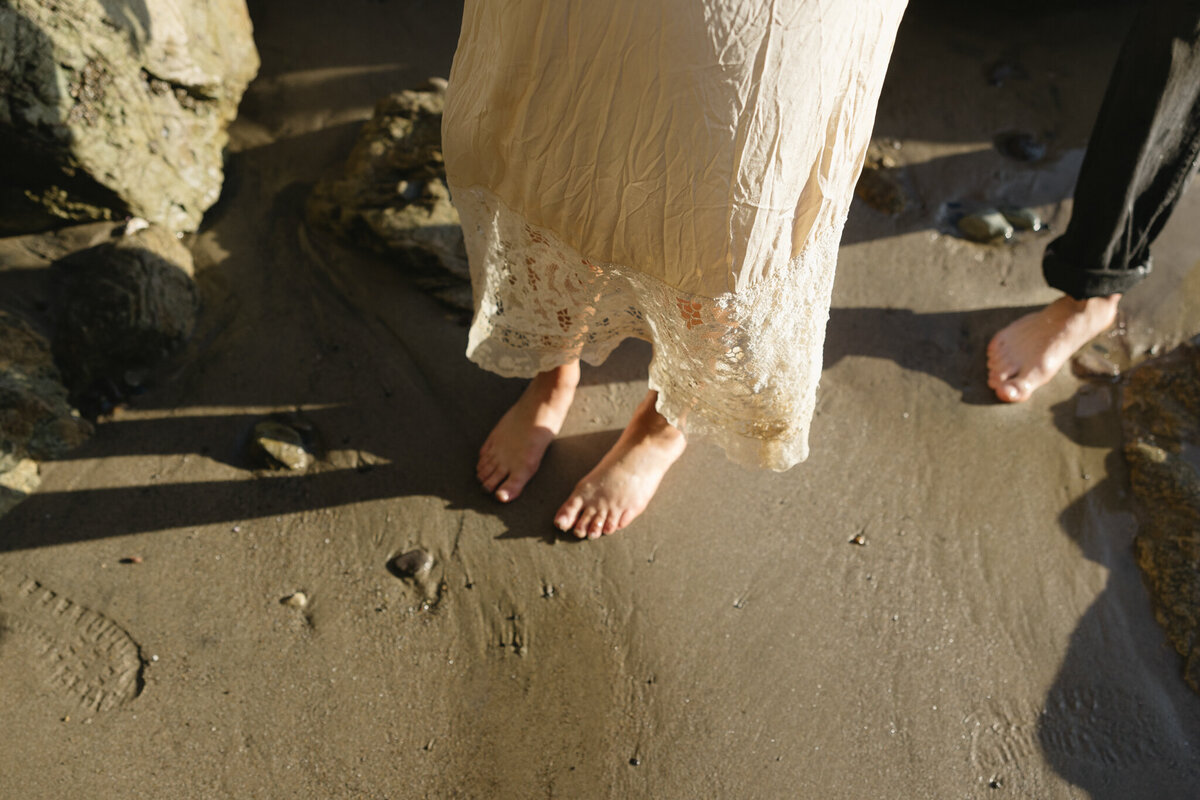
1140 156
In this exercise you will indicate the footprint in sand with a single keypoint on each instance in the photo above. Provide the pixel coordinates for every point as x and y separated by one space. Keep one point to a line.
72 649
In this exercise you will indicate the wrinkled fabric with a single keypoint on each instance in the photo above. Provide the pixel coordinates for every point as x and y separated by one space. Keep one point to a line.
702 153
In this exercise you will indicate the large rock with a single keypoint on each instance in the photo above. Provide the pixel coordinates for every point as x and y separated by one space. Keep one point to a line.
126 304
111 108
36 422
1161 421
392 197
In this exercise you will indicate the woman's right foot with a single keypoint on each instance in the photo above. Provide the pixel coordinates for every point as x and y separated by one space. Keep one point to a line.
1028 353
514 449
621 486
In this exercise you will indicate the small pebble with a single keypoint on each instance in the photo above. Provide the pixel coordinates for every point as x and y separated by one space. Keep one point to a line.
986 226
282 444
295 600
413 564
858 539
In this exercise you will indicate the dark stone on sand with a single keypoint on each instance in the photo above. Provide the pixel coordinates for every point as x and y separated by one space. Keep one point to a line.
415 564
392 196
125 305
1020 146
1160 418
879 188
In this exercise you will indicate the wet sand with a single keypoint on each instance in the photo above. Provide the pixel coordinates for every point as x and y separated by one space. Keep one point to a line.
989 637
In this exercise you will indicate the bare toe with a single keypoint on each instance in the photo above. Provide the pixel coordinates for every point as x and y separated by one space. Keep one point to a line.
1013 391
568 513
494 480
596 528
512 487
584 521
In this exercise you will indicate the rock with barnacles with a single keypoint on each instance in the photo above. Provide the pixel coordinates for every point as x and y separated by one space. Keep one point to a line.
391 196
36 421
112 108
879 184
1160 419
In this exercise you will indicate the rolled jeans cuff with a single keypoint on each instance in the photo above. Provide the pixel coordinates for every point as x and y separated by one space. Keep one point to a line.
1080 283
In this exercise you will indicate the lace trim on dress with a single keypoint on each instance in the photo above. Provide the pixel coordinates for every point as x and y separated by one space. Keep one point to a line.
740 369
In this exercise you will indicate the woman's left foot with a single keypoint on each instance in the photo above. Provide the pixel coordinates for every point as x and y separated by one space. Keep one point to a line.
620 487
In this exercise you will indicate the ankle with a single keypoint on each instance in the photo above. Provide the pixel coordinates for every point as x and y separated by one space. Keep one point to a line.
1089 305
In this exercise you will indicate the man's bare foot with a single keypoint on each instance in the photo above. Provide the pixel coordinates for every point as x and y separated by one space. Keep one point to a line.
1029 352
514 449
622 484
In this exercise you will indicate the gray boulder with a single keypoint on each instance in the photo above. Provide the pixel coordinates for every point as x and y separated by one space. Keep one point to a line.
110 108
392 198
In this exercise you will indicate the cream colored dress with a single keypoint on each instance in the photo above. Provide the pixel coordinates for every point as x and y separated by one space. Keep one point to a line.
673 170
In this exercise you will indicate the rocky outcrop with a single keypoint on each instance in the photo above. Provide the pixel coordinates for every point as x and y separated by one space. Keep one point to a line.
1161 423
36 421
392 196
112 108
126 304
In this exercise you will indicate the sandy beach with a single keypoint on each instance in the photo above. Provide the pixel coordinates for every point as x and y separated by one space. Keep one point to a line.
942 602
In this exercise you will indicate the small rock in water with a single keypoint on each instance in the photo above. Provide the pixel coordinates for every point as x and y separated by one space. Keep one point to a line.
986 226
413 564
1020 146
295 600
282 444
1025 219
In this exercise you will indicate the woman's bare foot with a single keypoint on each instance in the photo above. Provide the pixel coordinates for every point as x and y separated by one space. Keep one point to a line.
514 449
1029 352
622 484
